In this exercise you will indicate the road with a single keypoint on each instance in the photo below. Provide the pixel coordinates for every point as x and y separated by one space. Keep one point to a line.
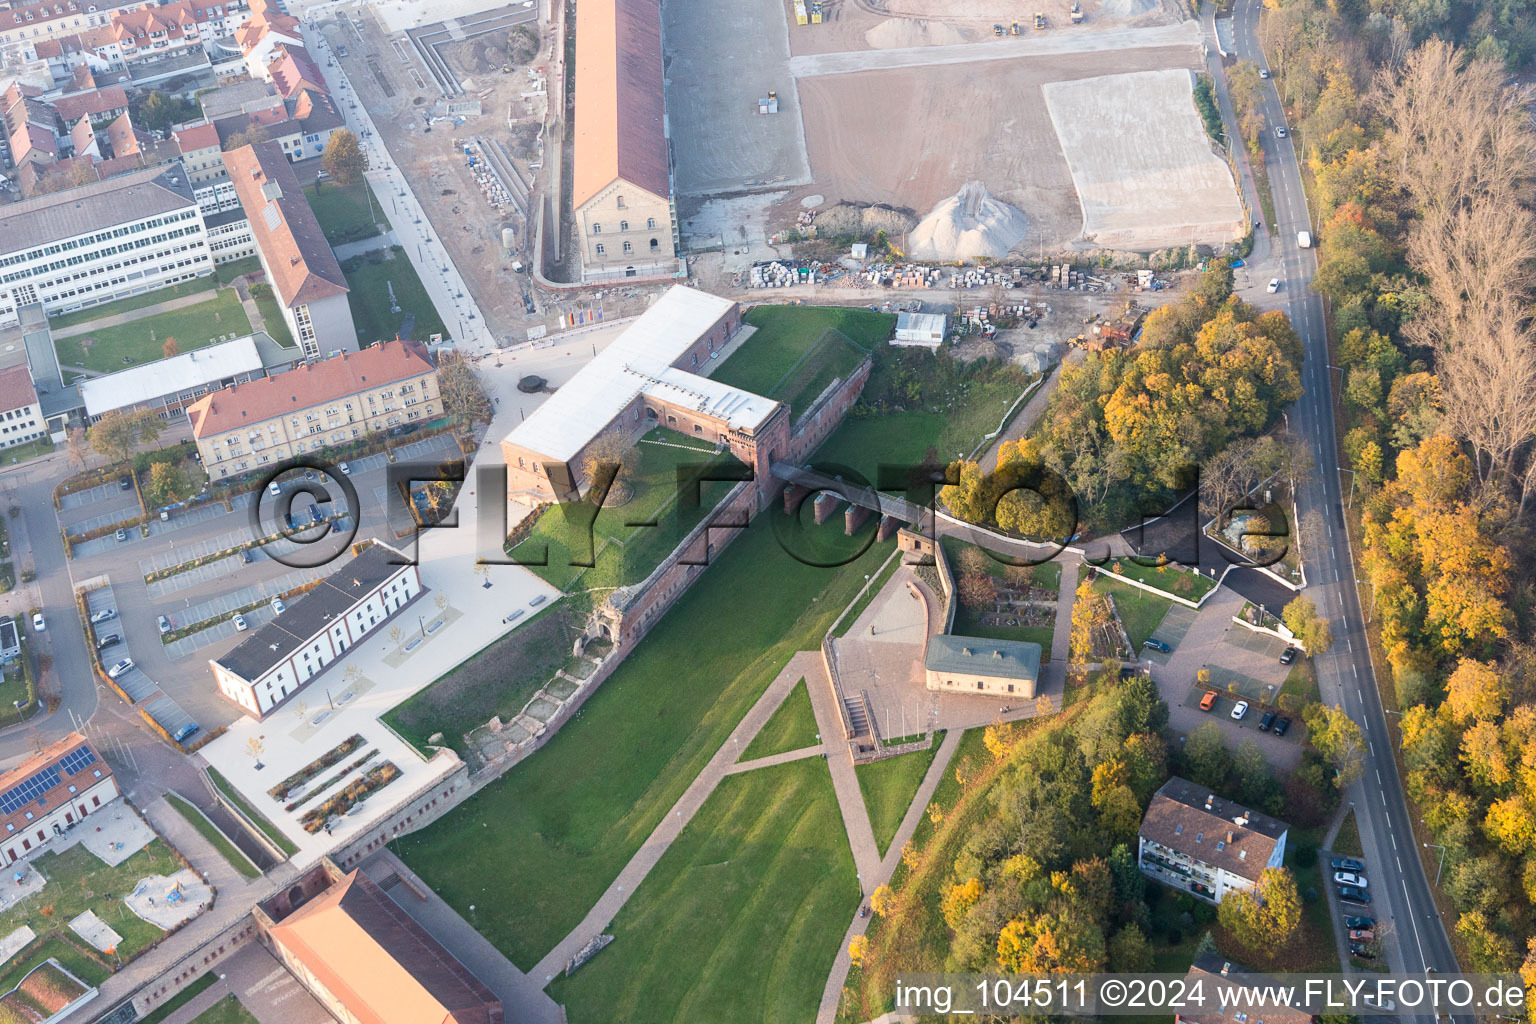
1399 886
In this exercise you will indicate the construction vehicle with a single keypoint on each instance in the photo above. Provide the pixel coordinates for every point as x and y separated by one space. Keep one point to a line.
1077 12
1039 20
1015 29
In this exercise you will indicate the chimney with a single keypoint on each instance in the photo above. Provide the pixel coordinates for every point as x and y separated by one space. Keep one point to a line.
1208 798
1226 967
1230 837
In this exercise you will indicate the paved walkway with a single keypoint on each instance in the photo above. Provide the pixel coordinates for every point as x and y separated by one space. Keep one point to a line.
364 246
850 800
1032 411
819 750
137 314
228 884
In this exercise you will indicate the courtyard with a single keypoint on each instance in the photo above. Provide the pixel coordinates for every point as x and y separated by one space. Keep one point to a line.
103 345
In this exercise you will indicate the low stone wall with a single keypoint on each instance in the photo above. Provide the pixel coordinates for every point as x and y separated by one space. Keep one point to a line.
194 965
418 811
827 412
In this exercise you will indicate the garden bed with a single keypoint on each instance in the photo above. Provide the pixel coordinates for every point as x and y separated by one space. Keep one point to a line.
333 780
284 789
355 793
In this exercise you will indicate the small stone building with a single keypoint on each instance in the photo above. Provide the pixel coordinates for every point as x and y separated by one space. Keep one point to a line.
968 664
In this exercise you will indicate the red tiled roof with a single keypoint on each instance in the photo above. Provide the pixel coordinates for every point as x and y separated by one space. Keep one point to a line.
125 139
293 248
82 134
16 391
199 136
46 48
94 104
293 69
58 794
29 137
308 386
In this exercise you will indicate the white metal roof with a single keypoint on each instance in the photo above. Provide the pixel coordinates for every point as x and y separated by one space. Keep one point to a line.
640 361
183 372
920 323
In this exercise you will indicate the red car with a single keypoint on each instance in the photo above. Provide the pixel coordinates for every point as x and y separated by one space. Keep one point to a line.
1362 935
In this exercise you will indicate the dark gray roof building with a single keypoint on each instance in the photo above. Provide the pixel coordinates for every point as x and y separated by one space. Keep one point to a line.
101 204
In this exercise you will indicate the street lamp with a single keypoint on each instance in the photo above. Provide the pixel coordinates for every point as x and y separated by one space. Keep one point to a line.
1437 846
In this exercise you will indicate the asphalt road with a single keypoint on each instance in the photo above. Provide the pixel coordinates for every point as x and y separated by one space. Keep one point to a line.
1398 884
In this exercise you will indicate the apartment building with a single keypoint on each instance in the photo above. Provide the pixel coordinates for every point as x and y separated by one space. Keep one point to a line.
310 287
271 664
252 426
21 417
50 793
1220 982
1194 841
103 241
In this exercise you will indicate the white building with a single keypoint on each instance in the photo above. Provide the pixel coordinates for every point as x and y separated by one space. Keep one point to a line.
271 664
925 330
168 386
50 793
1196 842
21 417
102 241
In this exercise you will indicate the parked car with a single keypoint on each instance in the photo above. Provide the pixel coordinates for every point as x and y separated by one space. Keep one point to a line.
245 556
1273 286
275 490
104 615
1288 655
1353 878
122 535
120 668
108 640
1349 894
346 470
38 623
164 624
1359 922
335 525
240 624
125 484
1267 721
1347 864
1208 701
1239 711
180 735
314 513
1361 935
1157 645
278 606
1363 952
1281 724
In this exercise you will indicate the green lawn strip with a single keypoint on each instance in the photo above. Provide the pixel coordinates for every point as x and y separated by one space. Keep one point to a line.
67 950
227 272
786 333
876 584
78 881
792 727
562 824
237 860
740 919
1301 681
132 302
621 542
1171 578
272 319
143 341
370 285
255 817
1140 612
498 680
1347 842
969 413
834 356
181 998
28 450
226 1011
889 786
347 213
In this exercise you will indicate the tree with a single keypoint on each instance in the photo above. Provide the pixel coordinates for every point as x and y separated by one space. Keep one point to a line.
1208 759
249 136
82 172
976 589
159 111
170 348
1129 951
1337 738
148 426
75 446
614 453
1265 916
113 436
883 900
463 397
858 949
167 484
1475 690
343 159
1311 629
1063 942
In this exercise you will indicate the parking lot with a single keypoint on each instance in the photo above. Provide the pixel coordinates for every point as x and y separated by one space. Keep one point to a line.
140 689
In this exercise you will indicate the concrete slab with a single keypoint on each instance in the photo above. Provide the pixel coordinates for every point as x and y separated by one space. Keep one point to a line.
95 931
168 901
15 942
114 833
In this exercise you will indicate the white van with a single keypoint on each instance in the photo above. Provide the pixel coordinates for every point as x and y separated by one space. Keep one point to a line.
1304 239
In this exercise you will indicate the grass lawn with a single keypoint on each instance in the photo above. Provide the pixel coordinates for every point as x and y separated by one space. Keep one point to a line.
786 333
889 786
832 357
1347 842
499 680
133 302
272 318
562 824
1301 681
1047 575
226 1011
627 546
1172 578
792 727
966 624
142 341
273 834
344 212
181 998
741 918
227 272
1140 612
78 881
206 829
369 298
30 450
71 952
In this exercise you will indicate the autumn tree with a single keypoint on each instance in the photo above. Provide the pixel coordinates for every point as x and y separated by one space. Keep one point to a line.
976 590
1475 690
1310 629
75 446
113 436
1062 942
464 397
250 135
1338 739
1265 916
343 159
612 453
167 484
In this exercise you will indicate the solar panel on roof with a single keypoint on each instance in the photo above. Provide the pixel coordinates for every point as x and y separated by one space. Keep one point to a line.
41 781
77 761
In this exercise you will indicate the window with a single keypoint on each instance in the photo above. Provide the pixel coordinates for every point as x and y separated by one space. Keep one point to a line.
601 249
655 245
597 229
650 223
623 225
621 202
628 247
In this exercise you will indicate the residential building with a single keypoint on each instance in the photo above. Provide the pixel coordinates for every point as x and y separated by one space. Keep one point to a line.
102 241
1196 842
29 343
622 191
29 23
292 69
169 386
1215 977
10 639
260 35
98 105
992 668
273 662
200 154
321 404
125 139
21 417
300 266
649 376
50 793
364 958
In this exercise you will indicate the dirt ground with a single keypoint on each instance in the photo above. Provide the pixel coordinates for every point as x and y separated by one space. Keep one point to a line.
469 227
955 126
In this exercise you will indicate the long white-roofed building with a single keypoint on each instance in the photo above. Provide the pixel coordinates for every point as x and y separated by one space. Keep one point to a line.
168 386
